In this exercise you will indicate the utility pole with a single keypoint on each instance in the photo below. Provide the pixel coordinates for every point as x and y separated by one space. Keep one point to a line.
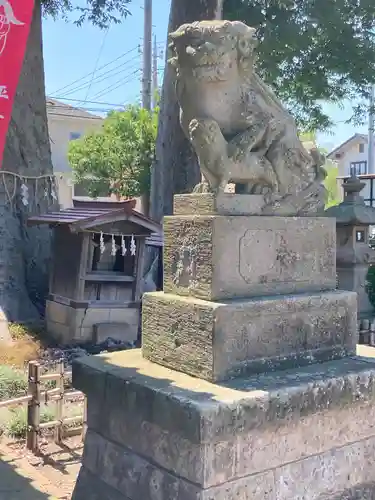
371 120
147 55
155 84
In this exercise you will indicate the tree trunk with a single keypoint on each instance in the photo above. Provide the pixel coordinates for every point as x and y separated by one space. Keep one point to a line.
176 168
24 252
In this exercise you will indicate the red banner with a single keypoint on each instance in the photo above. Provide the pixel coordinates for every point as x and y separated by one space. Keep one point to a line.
15 21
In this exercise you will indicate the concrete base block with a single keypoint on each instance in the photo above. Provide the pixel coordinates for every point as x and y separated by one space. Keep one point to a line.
221 204
226 257
68 324
306 433
218 340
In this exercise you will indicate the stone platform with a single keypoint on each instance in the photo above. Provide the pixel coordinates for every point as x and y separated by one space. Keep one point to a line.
306 433
247 386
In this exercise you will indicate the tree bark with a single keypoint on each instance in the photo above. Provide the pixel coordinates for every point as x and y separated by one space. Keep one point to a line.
25 252
176 169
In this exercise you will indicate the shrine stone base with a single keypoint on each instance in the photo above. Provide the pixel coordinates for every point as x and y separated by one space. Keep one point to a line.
304 433
70 322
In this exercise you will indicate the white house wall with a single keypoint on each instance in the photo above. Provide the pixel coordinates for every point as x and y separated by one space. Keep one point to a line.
60 129
350 155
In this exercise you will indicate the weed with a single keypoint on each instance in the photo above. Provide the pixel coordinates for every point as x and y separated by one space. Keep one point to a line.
16 426
25 347
13 382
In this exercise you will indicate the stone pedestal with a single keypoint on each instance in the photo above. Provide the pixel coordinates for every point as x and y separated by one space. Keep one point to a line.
248 385
157 434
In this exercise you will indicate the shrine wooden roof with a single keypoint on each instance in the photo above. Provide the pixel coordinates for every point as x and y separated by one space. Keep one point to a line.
86 214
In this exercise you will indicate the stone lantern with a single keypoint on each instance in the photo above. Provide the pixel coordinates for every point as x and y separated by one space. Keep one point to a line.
354 255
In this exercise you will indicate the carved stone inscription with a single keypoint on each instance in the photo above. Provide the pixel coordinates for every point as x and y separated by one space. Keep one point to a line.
268 256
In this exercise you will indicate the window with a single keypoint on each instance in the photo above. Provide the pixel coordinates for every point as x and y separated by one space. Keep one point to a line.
358 168
361 148
75 135
360 236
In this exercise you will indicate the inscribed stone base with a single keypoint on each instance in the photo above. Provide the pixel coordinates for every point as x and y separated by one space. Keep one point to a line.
306 433
225 257
218 340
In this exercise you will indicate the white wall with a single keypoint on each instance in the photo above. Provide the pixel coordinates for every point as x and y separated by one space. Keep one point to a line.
349 155
60 129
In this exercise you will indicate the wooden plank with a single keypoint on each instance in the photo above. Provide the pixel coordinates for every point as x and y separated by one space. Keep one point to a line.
68 396
138 269
49 376
57 423
80 286
108 277
15 401
73 420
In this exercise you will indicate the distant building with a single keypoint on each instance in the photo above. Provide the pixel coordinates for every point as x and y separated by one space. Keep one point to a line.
67 123
351 158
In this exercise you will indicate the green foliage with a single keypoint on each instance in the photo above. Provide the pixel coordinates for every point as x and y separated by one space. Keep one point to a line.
16 426
313 51
119 156
100 13
330 183
370 285
13 383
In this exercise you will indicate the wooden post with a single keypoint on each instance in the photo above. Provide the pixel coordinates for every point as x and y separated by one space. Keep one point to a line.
33 408
60 404
80 284
138 269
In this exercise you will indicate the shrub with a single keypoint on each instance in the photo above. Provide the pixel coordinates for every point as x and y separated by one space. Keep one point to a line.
13 382
16 426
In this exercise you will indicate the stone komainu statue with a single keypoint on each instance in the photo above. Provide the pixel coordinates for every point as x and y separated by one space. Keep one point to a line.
240 131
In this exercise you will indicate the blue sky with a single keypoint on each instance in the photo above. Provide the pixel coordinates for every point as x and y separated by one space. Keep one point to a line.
71 53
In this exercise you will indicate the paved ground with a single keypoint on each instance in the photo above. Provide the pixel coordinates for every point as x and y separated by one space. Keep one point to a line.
49 477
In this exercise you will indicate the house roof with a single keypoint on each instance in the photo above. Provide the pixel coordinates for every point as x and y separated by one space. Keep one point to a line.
353 138
85 215
58 108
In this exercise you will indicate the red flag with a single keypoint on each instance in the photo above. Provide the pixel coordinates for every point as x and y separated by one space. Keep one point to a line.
15 21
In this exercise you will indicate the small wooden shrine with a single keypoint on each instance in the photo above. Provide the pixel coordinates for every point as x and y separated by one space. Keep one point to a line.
96 270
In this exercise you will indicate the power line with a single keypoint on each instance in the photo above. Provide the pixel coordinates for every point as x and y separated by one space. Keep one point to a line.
99 78
79 100
101 110
98 69
96 64
120 83
115 86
